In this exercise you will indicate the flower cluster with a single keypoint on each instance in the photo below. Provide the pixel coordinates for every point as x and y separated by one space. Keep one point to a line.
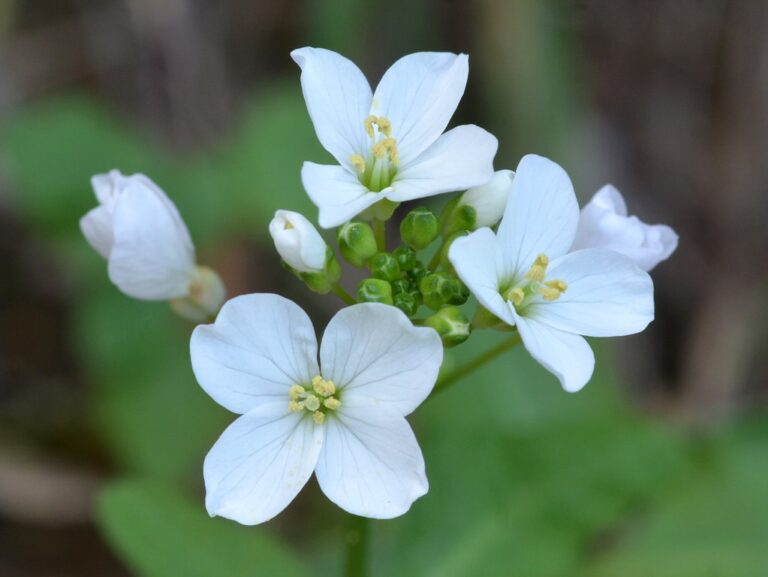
538 267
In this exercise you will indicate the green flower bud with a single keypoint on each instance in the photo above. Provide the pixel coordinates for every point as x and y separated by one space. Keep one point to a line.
407 303
419 228
356 242
321 282
384 266
457 217
459 292
440 288
451 324
374 290
401 285
406 257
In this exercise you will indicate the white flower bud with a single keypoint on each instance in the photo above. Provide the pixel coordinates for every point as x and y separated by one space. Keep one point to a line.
298 242
490 199
604 223
139 231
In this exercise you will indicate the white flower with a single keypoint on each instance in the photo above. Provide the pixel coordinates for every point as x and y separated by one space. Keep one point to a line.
389 144
298 242
149 251
604 224
490 199
344 418
525 276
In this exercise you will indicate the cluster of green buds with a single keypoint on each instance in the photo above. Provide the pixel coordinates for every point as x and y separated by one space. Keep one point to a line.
425 288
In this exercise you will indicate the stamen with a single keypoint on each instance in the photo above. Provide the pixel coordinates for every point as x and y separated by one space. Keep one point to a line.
539 269
368 123
322 387
385 126
296 392
552 290
358 162
516 295
311 403
294 407
318 418
332 403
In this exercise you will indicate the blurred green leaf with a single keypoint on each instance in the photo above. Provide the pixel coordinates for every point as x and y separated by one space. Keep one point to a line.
716 526
161 533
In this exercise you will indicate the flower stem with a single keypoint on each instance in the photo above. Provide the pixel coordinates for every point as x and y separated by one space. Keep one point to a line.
380 233
356 538
456 374
339 291
435 262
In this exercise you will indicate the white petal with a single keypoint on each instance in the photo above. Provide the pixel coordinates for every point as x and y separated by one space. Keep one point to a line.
376 356
479 263
153 257
460 159
337 193
297 241
608 295
604 223
419 94
259 346
490 199
565 355
260 463
96 226
541 216
371 464
338 98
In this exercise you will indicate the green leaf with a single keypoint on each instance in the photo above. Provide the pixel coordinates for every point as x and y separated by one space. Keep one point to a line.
160 532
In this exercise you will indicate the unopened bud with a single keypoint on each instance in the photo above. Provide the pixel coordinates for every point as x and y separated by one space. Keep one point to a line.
487 201
419 228
384 266
406 257
322 281
206 295
407 303
451 324
297 242
439 289
374 290
357 242
401 285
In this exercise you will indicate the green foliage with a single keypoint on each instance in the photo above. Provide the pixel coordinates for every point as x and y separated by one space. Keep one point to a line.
161 533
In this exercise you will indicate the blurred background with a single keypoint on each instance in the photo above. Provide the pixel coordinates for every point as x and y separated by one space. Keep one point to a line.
657 469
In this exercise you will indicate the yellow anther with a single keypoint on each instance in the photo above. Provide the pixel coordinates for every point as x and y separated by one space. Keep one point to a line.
296 392
318 418
368 123
516 295
322 387
358 162
391 146
332 403
539 269
385 125
294 407
311 403
379 150
552 290
288 225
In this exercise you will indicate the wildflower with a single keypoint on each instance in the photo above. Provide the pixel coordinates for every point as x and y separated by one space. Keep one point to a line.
526 277
344 418
389 144
149 251
604 224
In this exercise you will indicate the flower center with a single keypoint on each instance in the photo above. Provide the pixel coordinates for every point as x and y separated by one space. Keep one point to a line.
534 287
318 400
377 169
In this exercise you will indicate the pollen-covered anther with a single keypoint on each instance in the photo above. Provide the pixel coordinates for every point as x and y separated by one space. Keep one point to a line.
332 403
322 387
368 123
358 162
552 289
516 296
296 392
538 270
385 126
318 417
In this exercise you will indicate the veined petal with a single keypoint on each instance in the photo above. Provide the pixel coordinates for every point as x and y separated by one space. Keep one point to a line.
567 356
608 295
377 357
479 263
460 159
152 257
419 94
371 464
337 193
96 226
541 215
260 463
259 346
338 98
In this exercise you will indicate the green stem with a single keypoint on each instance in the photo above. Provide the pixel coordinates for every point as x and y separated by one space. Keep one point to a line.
433 264
456 374
356 538
380 233
339 291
